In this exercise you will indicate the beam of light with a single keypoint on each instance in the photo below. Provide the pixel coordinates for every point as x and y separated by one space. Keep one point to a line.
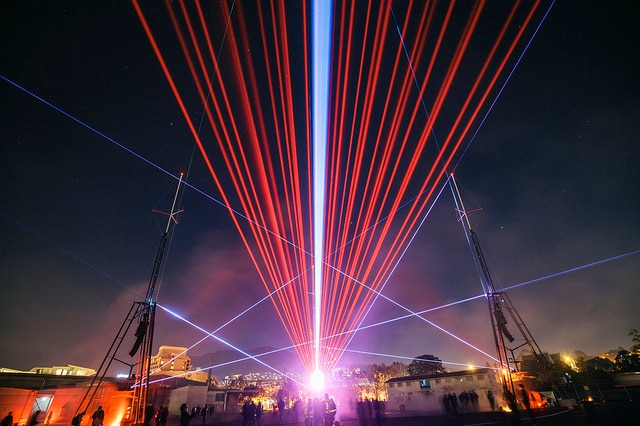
273 262
415 314
69 253
399 259
378 149
321 11
231 362
151 163
89 127
366 183
317 381
574 269
233 319
504 85
509 288
224 342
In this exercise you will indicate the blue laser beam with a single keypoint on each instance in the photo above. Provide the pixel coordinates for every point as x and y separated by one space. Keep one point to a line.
574 269
322 11
239 315
495 100
431 323
483 296
152 164
224 342
235 361
400 257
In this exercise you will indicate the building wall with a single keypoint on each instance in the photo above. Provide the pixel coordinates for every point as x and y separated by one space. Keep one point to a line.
191 395
18 401
422 394
171 358
58 406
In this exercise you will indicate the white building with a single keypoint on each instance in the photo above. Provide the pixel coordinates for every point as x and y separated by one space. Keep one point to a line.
170 359
425 393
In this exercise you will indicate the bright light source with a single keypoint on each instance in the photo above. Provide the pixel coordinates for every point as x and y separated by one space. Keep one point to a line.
317 381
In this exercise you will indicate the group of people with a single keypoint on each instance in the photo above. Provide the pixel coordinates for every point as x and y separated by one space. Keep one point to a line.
320 412
370 412
251 413
466 401
160 415
32 421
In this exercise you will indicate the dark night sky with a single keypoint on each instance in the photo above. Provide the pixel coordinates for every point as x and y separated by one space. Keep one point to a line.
554 169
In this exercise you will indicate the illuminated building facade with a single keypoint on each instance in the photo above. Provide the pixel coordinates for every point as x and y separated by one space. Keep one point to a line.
170 359
425 392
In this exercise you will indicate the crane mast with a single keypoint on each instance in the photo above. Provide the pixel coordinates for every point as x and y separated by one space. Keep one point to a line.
143 313
501 308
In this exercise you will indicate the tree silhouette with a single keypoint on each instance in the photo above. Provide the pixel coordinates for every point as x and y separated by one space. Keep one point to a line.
635 338
426 364
627 362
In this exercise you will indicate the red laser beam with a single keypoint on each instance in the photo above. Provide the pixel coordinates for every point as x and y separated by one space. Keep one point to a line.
385 110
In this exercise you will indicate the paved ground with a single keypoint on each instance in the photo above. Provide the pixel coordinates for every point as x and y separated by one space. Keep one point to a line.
609 413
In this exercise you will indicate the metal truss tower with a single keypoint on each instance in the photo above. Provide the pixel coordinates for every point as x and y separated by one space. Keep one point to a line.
143 313
501 308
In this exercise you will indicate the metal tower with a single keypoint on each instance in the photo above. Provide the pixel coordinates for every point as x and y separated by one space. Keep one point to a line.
501 307
142 312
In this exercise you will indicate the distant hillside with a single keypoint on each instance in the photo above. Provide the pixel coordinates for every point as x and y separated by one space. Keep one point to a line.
225 362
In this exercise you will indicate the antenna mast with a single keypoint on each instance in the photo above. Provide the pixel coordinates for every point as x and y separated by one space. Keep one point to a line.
144 313
499 303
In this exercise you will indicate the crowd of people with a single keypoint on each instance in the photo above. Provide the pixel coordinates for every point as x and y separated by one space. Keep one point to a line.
320 412
370 412
251 413
466 401
315 412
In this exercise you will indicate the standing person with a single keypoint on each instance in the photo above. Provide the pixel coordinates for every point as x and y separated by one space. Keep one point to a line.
378 410
308 413
8 419
281 410
185 417
258 413
527 403
33 419
318 412
252 413
331 412
149 412
492 400
98 416
367 410
360 411
76 421
203 413
164 415
245 413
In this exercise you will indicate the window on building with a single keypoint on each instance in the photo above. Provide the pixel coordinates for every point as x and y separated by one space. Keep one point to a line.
438 381
469 378
447 380
390 385
399 384
480 377
424 384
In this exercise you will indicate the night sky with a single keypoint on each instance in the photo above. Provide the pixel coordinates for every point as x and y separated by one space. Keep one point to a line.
554 170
